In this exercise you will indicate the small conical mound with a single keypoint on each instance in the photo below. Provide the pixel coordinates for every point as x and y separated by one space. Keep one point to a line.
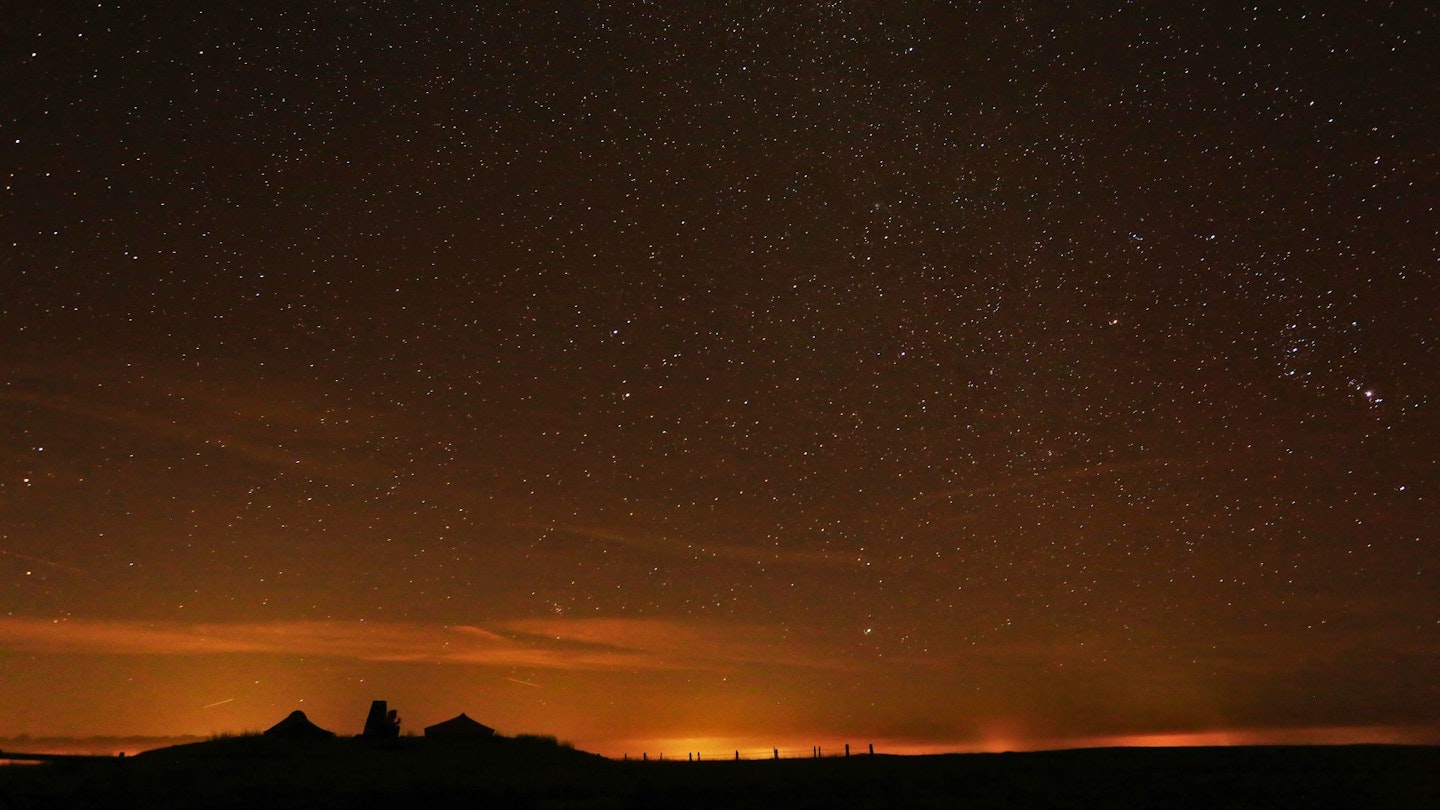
459 726
298 727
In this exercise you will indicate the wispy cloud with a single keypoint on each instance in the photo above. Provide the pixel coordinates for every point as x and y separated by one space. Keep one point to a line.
1052 479
242 426
550 643
41 561
711 549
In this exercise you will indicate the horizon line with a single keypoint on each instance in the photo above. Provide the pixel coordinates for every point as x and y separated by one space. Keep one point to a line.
751 747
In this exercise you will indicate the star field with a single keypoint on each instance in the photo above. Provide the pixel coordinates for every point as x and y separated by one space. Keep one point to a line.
645 371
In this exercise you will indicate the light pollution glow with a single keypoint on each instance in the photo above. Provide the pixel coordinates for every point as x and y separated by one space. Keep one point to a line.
569 677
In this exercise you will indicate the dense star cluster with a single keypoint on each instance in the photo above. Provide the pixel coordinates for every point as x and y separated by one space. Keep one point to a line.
946 374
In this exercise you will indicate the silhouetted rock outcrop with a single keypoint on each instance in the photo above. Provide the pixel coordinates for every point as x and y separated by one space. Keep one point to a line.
459 727
298 727
381 724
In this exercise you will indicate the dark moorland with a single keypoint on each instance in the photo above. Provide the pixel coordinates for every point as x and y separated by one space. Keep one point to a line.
254 771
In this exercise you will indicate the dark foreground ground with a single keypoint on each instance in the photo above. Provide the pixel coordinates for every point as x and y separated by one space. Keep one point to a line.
256 772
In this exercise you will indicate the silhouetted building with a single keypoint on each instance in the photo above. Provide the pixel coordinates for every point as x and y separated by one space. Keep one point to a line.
460 726
381 724
298 727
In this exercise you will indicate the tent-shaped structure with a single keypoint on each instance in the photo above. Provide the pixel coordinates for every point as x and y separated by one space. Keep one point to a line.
460 726
298 727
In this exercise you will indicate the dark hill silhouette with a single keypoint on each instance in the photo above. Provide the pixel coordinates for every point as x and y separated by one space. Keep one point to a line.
500 772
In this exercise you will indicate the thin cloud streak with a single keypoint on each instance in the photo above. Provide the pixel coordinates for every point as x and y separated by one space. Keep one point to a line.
210 424
42 561
732 552
1051 479
559 644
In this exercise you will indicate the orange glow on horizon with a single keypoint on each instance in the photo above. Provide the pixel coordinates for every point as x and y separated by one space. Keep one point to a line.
789 746
793 747
613 687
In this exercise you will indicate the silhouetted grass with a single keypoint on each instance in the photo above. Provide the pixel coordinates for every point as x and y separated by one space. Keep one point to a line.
543 739
230 735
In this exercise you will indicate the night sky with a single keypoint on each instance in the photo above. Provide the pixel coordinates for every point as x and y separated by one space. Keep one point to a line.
678 376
